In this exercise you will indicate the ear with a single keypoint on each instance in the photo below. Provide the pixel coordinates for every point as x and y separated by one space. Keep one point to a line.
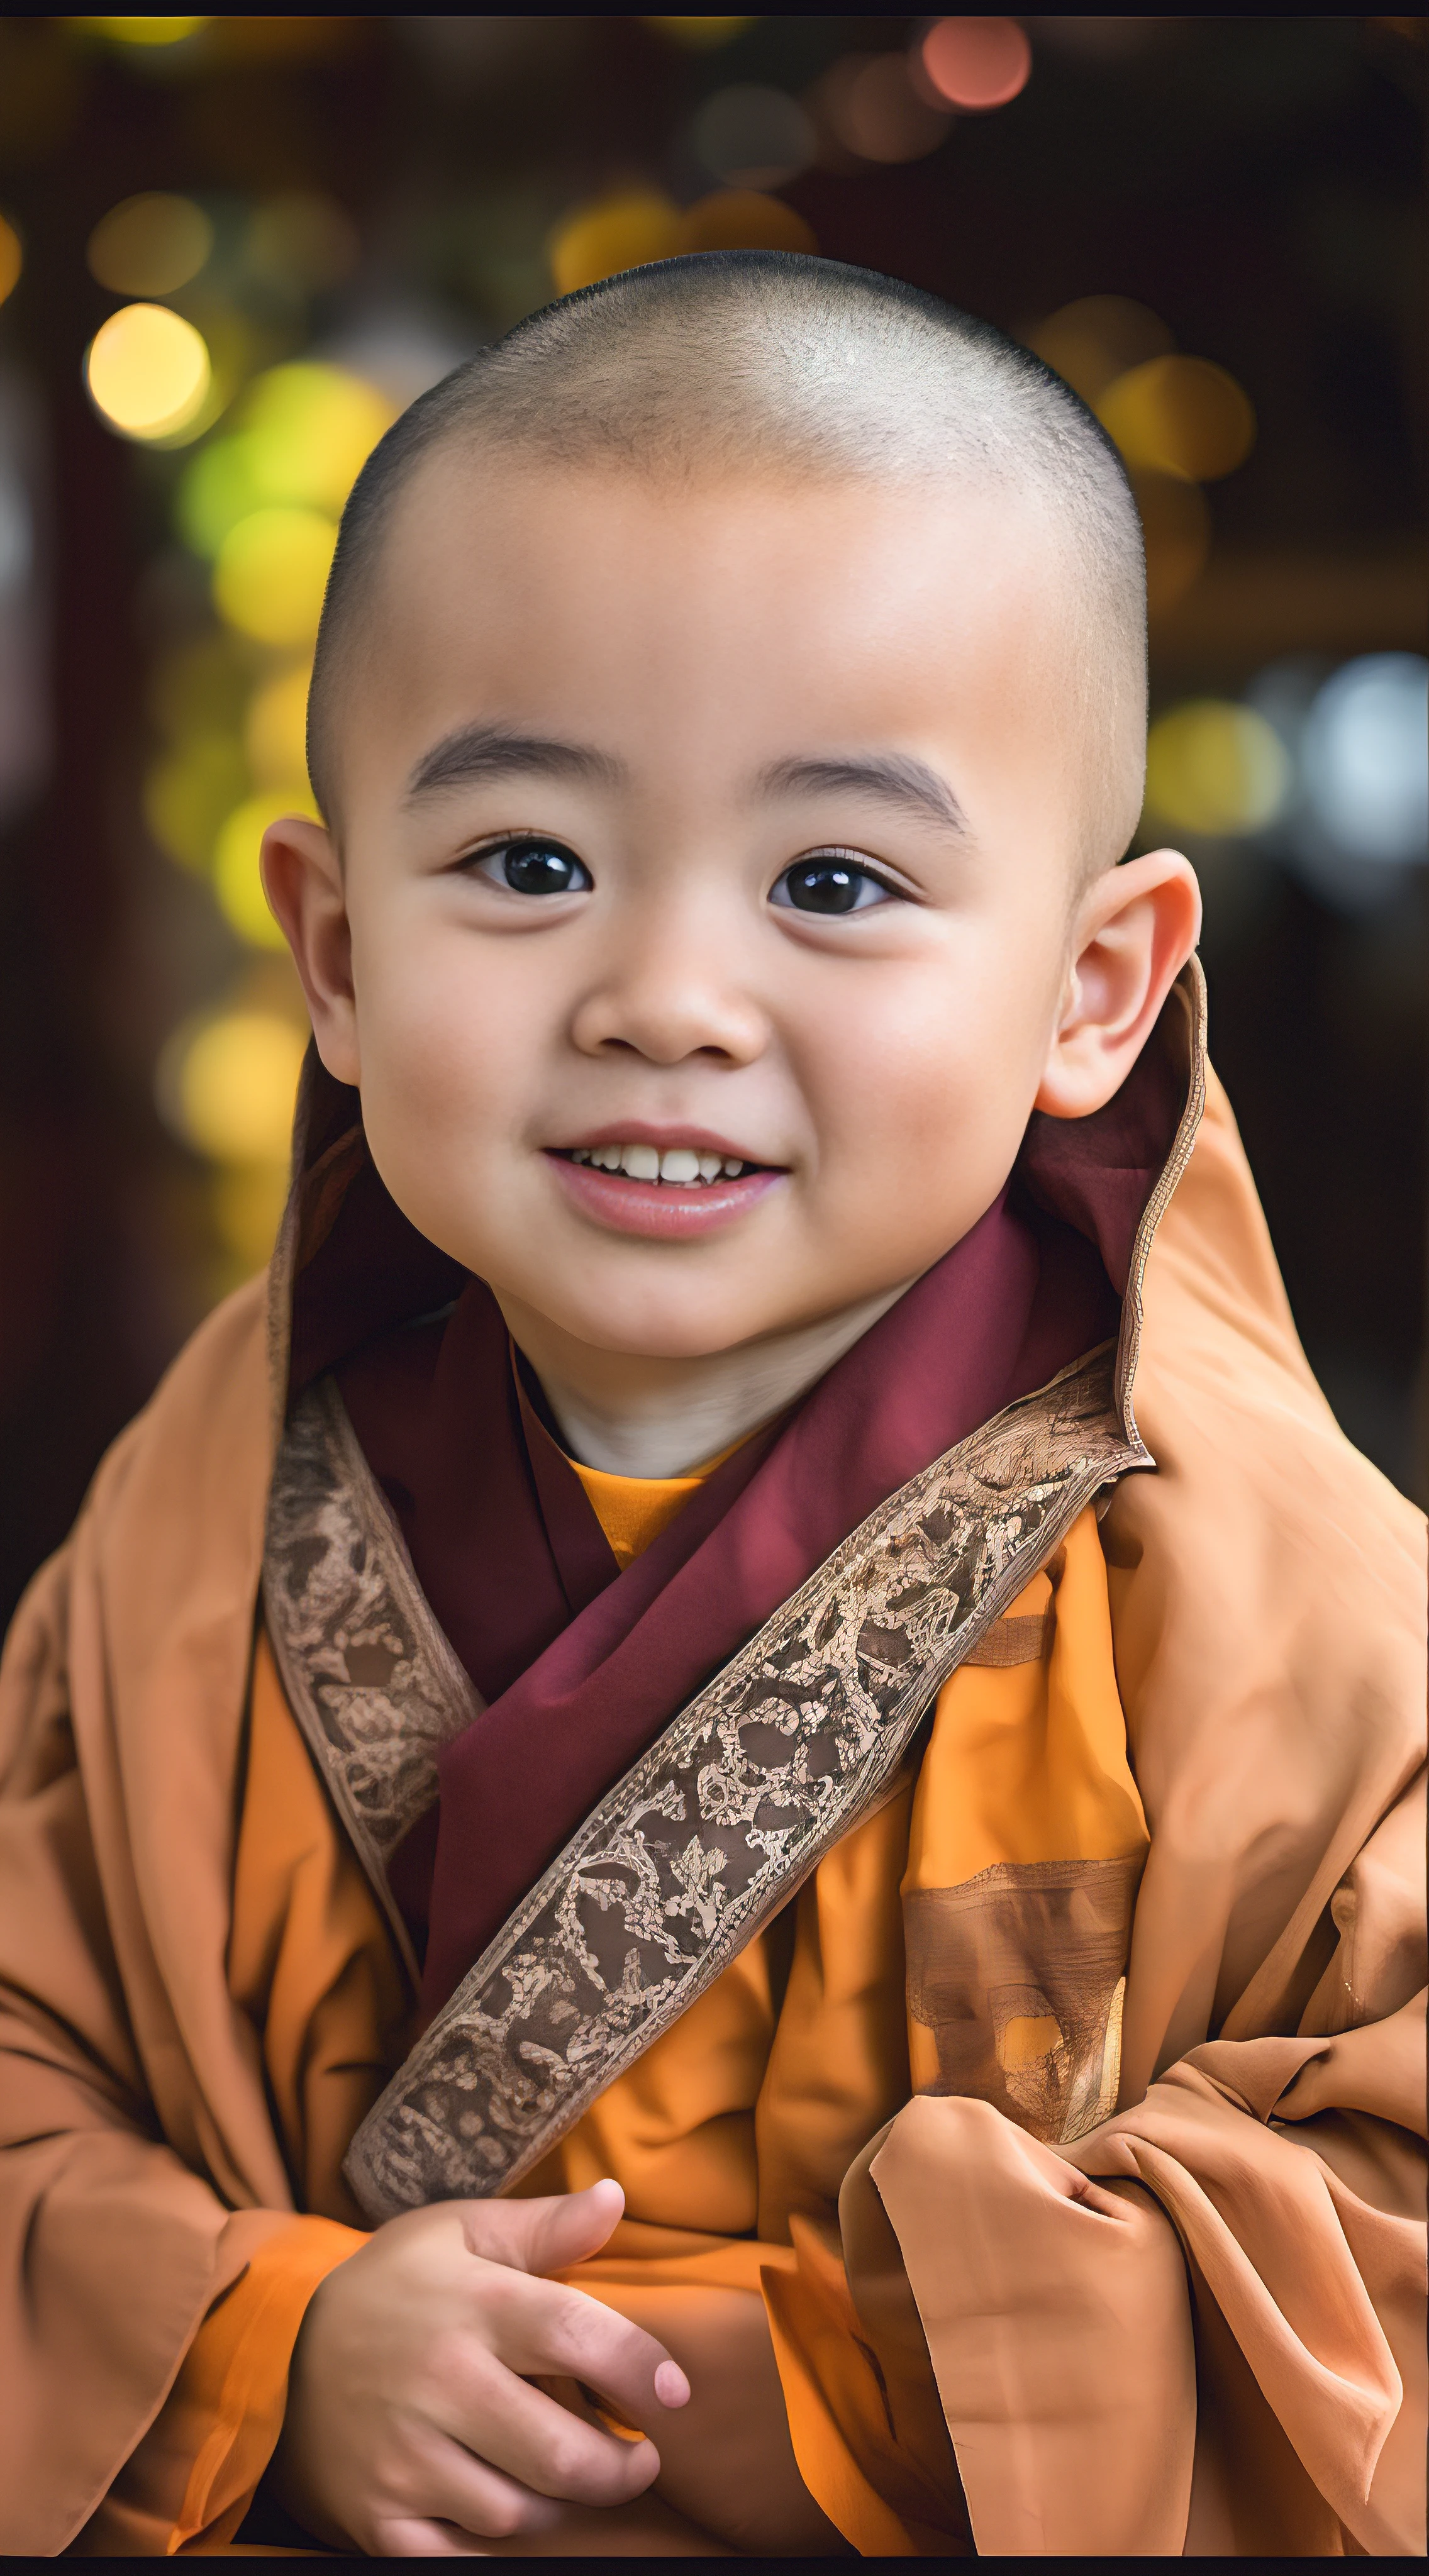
1134 930
302 877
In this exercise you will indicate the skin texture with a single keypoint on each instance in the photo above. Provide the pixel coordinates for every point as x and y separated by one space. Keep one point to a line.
422 2347
441 2395
880 1064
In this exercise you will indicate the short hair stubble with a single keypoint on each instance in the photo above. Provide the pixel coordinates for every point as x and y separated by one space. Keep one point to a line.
766 360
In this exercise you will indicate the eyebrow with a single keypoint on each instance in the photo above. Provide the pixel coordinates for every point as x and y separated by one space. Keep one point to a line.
890 778
477 752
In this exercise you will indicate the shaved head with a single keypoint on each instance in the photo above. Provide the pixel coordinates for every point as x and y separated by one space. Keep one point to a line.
762 365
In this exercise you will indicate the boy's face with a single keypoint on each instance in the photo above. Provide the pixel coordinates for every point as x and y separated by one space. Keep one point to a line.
618 753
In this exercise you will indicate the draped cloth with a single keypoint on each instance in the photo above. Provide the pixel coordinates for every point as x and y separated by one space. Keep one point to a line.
1267 1609
583 1670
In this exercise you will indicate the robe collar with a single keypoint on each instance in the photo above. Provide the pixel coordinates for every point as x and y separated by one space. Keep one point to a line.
579 1667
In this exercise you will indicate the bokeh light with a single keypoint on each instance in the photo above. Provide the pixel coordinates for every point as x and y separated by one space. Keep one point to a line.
303 435
309 429
247 1202
1098 338
1216 769
700 34
142 31
150 245
1176 526
872 108
275 729
189 791
627 230
12 259
1179 416
260 501
1366 758
220 486
237 877
753 137
977 62
380 213
742 219
271 572
147 370
228 1084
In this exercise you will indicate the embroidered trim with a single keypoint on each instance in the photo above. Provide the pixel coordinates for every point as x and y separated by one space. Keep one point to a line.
687 1856
370 1676
1014 1641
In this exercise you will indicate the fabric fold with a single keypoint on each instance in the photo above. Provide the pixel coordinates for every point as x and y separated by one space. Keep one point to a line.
1059 2325
1267 1620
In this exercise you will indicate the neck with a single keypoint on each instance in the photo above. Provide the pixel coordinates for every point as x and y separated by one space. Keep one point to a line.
635 1416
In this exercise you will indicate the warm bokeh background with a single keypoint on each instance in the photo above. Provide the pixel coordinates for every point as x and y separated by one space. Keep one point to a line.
232 248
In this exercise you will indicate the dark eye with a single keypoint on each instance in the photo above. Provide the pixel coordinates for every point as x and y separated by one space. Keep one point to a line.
534 867
829 885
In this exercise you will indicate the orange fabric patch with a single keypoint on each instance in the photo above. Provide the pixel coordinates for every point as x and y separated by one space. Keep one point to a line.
234 2382
1030 1763
632 1510
743 2117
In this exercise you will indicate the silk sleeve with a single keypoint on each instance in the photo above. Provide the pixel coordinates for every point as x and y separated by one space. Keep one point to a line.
188 2484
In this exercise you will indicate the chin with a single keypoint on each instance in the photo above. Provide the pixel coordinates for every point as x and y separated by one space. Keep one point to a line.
655 1330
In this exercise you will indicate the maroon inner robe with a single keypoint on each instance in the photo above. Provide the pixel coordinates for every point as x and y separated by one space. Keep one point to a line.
581 1665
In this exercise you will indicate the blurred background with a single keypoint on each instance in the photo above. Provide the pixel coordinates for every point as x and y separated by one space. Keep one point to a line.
233 248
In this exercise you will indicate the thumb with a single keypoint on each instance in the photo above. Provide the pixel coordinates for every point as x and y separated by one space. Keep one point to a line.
541 2236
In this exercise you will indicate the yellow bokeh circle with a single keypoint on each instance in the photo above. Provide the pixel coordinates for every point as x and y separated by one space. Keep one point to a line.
303 434
1215 769
147 370
1179 416
1098 338
275 731
744 219
229 1085
142 31
150 245
310 428
625 231
271 573
640 225
699 34
246 1201
12 259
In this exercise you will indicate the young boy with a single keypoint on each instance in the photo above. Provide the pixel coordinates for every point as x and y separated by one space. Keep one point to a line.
762 1626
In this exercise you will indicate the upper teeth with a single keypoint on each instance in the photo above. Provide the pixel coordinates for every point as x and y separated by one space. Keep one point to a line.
679 1163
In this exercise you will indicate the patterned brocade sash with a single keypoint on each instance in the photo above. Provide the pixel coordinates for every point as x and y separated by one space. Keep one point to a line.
369 1675
687 1857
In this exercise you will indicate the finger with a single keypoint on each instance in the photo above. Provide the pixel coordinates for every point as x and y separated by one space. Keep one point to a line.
543 2328
544 2235
409 2537
540 2446
450 2483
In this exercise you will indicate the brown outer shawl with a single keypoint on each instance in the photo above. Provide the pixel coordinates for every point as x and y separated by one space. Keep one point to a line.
1268 1599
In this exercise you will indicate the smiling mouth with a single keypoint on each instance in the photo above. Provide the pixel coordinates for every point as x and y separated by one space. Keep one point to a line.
678 1192
678 1167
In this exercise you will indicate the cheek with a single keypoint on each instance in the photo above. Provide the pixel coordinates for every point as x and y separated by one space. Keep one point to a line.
445 1032
922 1090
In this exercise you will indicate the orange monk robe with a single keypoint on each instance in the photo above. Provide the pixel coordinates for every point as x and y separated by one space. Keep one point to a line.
177 2016
730 2137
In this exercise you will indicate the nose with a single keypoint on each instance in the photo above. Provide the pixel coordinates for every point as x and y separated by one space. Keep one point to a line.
667 986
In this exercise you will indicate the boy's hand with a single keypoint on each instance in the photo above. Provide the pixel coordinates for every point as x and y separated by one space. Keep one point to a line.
412 2430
